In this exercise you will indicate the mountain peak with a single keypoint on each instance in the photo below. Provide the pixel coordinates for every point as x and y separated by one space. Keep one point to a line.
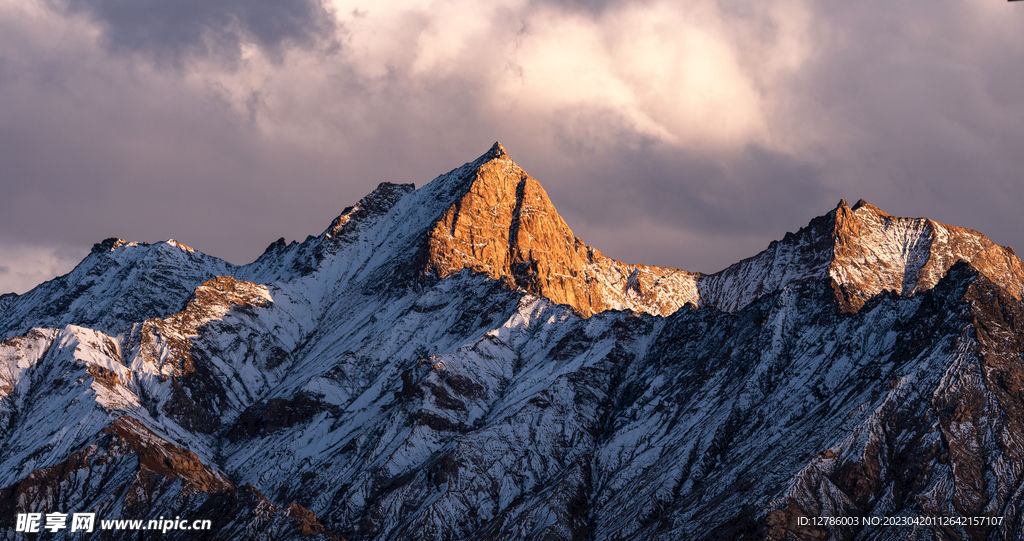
109 245
875 251
496 152
503 223
385 196
856 206
863 251
183 246
113 243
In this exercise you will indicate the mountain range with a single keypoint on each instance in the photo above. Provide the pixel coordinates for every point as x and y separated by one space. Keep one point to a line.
452 362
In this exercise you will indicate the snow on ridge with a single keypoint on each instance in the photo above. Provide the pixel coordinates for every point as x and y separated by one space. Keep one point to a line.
864 251
461 405
118 283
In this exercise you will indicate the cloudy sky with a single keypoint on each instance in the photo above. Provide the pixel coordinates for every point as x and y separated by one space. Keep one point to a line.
687 134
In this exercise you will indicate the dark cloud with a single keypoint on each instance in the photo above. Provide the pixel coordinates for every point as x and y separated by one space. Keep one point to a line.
738 191
924 115
609 177
587 7
89 149
916 107
176 30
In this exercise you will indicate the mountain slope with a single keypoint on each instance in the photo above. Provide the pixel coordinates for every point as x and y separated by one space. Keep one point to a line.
505 225
863 251
119 282
451 362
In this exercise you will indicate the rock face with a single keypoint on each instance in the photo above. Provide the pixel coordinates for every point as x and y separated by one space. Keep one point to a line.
118 283
451 362
875 251
863 251
505 226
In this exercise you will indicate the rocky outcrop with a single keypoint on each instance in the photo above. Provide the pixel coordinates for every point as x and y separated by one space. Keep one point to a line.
167 342
875 251
940 445
504 225
124 282
453 363
129 472
377 203
863 251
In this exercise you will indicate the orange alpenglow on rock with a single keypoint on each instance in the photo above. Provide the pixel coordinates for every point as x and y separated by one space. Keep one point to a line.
875 251
862 251
502 223
506 226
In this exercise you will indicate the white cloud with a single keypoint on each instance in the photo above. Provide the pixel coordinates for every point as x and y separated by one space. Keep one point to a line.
685 74
22 267
700 116
669 70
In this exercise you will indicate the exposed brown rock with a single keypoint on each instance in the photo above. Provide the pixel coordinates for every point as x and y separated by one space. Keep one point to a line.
104 375
168 343
164 458
863 251
875 251
134 470
505 225
211 301
308 525
959 431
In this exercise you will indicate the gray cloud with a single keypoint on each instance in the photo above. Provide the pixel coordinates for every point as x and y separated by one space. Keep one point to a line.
685 135
25 266
927 117
589 7
175 31
738 191
609 178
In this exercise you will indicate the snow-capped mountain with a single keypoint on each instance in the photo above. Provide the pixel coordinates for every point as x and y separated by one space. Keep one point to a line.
451 362
117 283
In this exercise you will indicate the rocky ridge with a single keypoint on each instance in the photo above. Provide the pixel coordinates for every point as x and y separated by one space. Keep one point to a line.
504 225
863 251
451 362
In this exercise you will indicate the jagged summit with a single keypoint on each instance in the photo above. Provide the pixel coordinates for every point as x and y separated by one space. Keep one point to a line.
380 382
843 204
504 224
377 202
864 251
108 245
496 152
113 243
875 251
489 216
118 283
